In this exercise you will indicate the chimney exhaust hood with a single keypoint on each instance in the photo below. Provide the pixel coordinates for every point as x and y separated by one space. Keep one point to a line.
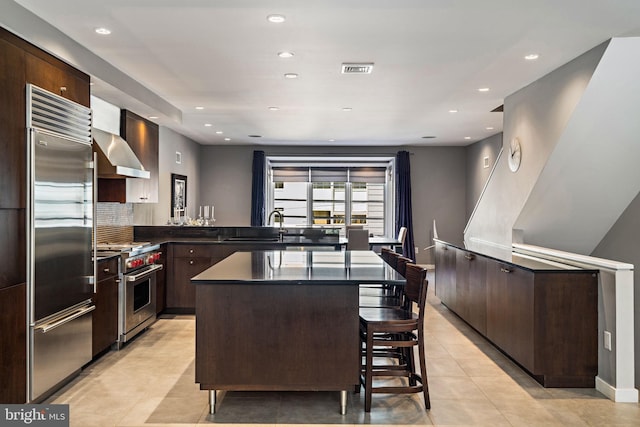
115 158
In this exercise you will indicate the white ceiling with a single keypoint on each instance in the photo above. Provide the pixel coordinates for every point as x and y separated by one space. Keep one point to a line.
430 56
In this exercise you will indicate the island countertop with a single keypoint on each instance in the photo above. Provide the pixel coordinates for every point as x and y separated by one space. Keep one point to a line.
327 267
283 320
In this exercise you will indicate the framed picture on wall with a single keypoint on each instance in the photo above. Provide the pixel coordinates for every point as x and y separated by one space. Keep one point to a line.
178 195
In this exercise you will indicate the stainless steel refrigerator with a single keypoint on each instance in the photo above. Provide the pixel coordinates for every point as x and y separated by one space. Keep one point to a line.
60 213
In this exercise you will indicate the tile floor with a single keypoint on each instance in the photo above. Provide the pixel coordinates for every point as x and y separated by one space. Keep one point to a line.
151 383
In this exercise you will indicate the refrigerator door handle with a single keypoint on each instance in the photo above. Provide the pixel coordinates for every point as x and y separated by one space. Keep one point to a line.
53 325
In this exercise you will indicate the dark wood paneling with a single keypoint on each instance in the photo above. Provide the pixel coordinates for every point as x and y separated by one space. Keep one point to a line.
105 316
143 138
181 293
277 337
564 303
112 190
545 320
57 78
13 353
446 274
510 312
13 247
161 281
12 126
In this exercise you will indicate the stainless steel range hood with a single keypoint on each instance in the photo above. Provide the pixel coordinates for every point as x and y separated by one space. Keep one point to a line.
115 158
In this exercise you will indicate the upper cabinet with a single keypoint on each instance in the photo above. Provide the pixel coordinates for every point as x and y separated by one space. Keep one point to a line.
59 78
143 138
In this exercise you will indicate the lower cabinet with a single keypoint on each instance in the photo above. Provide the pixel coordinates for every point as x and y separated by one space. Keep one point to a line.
509 307
161 281
13 351
446 275
186 261
543 317
105 316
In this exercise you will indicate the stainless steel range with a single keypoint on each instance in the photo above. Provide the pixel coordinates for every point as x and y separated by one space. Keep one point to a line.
137 291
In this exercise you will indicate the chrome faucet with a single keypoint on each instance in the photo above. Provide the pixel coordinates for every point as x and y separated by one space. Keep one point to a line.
281 231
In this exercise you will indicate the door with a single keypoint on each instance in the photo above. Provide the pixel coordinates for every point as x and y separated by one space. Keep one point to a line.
61 221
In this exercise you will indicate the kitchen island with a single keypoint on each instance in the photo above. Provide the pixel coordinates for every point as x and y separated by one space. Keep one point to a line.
283 320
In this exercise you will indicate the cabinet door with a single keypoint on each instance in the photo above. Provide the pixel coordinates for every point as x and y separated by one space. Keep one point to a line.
510 315
13 354
105 316
182 294
12 122
61 79
474 300
161 287
445 274
143 138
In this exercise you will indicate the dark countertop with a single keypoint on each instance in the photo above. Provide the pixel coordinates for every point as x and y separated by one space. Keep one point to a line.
300 267
237 236
516 260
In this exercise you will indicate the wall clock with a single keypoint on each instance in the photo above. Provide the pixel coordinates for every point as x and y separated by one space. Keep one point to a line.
515 154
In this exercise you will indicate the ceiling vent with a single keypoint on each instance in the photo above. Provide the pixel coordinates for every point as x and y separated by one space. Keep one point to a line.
357 68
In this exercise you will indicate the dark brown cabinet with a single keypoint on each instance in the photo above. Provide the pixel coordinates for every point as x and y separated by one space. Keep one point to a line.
105 316
510 317
471 290
446 275
161 281
56 77
13 351
143 138
543 317
21 63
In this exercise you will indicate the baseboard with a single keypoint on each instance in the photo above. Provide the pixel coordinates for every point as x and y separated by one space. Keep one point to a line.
616 394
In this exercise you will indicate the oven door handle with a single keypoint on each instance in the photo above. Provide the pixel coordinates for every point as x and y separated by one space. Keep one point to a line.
150 270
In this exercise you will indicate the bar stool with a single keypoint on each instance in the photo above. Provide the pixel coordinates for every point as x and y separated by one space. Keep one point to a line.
393 333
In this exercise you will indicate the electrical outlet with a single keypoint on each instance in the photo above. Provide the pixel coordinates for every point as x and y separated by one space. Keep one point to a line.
417 250
607 340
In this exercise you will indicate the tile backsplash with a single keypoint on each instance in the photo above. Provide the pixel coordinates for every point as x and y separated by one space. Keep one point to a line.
114 222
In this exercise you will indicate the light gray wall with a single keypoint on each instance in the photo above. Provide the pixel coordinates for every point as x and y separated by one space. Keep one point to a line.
477 173
621 244
170 142
537 115
437 177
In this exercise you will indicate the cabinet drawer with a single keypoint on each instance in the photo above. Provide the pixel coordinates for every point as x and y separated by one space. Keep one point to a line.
193 251
107 268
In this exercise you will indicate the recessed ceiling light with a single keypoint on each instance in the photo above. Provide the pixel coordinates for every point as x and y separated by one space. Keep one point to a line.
489 128
347 109
532 56
467 137
153 117
208 125
103 31
92 84
483 89
453 110
199 108
332 140
273 108
219 132
276 19
255 136
291 76
227 139
285 54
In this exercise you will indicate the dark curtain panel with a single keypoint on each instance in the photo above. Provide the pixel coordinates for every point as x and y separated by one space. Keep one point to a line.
403 202
257 189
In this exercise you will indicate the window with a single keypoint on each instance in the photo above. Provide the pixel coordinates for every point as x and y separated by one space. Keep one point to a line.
332 192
